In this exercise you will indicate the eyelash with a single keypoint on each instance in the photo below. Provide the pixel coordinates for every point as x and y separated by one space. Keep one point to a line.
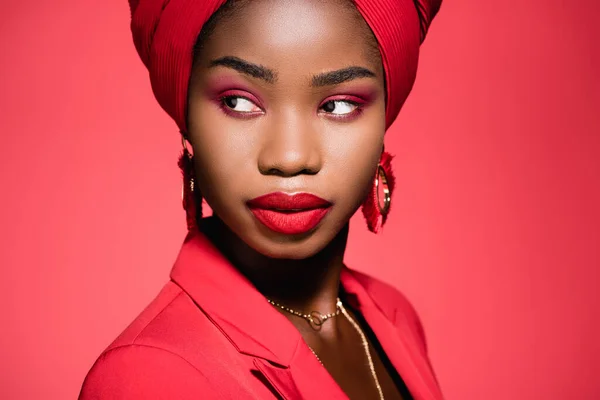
246 115
345 117
237 114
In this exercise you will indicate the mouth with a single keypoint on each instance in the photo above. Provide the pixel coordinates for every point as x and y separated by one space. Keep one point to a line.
289 214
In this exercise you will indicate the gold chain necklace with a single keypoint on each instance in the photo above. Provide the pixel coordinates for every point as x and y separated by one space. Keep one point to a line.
317 319
367 351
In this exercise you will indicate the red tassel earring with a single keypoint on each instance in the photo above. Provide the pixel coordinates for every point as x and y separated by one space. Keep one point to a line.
192 208
377 204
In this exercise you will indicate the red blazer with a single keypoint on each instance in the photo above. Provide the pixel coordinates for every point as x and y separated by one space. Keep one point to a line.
209 334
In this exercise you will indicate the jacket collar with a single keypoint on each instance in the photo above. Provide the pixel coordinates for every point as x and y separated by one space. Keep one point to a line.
257 329
396 338
232 302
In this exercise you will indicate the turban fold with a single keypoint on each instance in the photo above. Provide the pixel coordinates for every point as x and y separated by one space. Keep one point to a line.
165 32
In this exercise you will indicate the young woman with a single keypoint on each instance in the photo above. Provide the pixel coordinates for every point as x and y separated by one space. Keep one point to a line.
283 106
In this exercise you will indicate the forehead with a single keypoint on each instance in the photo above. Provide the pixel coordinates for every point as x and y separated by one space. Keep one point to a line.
315 35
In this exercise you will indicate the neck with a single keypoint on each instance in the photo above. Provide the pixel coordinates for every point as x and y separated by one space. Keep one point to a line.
303 285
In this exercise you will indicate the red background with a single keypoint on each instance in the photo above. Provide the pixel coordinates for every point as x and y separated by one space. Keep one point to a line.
494 234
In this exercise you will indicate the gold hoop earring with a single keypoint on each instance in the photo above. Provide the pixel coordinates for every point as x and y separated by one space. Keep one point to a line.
188 155
184 142
387 197
374 211
191 200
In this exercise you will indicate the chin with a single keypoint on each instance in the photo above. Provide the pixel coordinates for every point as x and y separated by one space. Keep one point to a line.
287 252
291 248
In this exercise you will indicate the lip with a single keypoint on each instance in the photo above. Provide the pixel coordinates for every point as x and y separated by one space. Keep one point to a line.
289 214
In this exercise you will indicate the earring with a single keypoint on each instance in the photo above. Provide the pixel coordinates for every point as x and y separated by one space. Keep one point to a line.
192 207
376 206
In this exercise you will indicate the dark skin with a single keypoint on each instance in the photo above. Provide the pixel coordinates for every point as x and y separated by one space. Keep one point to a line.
289 96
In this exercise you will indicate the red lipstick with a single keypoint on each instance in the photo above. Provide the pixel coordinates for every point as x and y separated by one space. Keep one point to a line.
290 214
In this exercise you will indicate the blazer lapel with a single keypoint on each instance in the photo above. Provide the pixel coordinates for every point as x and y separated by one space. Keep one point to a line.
251 324
399 345
280 379
306 379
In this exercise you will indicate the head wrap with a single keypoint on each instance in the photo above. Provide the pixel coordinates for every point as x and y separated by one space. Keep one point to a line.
165 32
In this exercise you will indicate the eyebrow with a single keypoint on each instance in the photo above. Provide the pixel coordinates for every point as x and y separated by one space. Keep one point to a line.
245 67
268 75
341 76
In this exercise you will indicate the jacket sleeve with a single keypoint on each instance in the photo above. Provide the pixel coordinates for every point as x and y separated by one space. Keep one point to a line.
144 372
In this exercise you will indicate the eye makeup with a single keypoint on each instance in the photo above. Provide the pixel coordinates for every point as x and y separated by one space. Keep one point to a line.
222 90
360 100
231 92
235 95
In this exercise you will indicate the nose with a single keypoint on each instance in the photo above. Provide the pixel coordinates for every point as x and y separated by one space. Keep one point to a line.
290 147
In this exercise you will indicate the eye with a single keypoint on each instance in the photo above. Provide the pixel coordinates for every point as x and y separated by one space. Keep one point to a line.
339 107
240 104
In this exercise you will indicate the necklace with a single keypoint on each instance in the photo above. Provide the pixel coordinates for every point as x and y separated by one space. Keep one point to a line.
316 319
367 351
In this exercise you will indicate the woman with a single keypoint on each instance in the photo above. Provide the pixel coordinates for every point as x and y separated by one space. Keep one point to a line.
282 106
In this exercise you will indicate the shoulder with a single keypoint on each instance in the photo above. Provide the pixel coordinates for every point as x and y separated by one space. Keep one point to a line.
394 305
141 372
148 359
170 303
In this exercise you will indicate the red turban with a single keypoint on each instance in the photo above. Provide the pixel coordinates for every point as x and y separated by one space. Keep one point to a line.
165 32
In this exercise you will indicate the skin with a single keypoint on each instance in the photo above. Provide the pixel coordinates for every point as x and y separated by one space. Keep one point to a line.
284 132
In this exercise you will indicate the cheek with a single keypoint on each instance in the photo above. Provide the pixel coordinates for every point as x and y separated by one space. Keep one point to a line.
221 151
352 163
357 146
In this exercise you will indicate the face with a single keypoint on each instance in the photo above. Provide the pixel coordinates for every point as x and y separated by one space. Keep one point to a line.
286 118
